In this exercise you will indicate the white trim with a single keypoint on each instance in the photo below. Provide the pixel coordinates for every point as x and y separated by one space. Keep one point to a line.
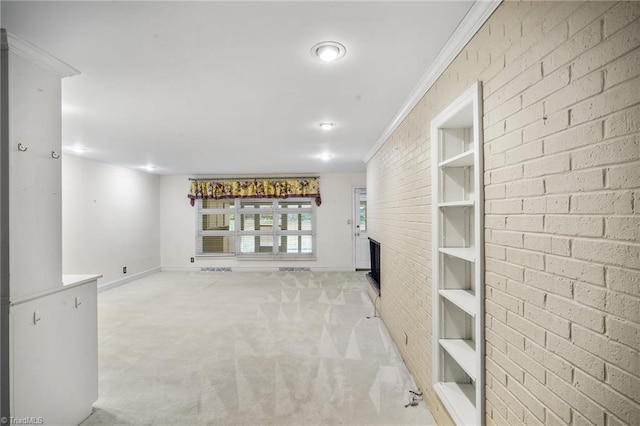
122 281
470 24
34 54
254 269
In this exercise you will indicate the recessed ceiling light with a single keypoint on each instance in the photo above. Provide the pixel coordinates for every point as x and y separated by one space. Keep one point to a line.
79 149
325 156
149 167
326 126
328 51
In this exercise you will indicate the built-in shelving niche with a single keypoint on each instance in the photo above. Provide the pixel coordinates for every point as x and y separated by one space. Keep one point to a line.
457 264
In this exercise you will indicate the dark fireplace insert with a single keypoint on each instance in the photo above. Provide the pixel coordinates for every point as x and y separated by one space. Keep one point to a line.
374 275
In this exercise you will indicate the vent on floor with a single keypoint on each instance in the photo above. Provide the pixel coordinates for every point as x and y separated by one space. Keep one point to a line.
215 269
293 269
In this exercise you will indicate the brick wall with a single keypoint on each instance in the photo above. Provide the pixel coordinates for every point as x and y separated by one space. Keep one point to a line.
562 202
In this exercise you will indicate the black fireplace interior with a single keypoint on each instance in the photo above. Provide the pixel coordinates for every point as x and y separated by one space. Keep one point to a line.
374 275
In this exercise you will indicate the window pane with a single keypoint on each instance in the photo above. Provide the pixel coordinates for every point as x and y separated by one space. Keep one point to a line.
295 222
363 212
295 244
256 244
218 204
218 222
257 222
218 244
294 204
256 204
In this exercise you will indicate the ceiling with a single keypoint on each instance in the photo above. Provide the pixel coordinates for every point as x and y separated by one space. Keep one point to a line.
231 87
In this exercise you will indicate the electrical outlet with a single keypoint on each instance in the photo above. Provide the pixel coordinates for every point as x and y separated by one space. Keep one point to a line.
193 259
124 269
406 339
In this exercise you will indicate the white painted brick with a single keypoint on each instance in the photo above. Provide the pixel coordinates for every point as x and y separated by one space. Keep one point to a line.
623 69
534 205
502 110
547 125
576 313
559 15
494 161
623 382
579 90
622 407
615 99
586 14
584 226
623 228
527 363
524 117
611 351
623 280
512 403
620 16
526 293
609 152
503 142
582 181
506 301
622 331
537 242
547 165
524 152
492 192
525 188
525 223
513 370
528 400
547 320
507 174
621 177
574 137
590 295
576 356
576 399
507 333
613 47
529 259
573 47
527 328
549 283
575 269
557 204
552 363
611 253
495 222
494 339
549 84
623 306
495 310
495 251
623 123
507 238
602 203
561 246
549 399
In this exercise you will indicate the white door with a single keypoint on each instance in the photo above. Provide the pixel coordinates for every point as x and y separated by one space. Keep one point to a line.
363 260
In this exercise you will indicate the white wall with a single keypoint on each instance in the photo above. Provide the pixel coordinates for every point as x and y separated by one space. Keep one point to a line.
334 236
110 219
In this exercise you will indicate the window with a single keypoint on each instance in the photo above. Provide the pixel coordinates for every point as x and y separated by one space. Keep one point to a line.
256 228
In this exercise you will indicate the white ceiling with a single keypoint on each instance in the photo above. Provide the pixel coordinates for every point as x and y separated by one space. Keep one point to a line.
230 87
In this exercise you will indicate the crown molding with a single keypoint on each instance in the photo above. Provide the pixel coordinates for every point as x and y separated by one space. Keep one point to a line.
34 54
470 24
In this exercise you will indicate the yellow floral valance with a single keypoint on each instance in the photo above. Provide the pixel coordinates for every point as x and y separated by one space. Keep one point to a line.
255 188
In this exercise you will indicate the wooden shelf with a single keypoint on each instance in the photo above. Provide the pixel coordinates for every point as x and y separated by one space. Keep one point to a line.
462 203
463 352
463 299
461 160
458 399
461 253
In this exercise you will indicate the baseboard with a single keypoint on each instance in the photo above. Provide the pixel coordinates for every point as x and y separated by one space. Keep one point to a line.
251 269
122 281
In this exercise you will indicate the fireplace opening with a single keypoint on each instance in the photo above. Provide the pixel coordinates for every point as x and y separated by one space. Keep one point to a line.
374 275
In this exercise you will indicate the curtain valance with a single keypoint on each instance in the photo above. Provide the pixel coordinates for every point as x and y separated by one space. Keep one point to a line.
255 188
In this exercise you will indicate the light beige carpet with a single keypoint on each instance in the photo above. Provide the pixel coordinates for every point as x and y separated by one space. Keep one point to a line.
248 348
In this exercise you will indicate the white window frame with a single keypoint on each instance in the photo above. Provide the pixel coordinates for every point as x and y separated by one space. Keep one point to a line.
275 210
